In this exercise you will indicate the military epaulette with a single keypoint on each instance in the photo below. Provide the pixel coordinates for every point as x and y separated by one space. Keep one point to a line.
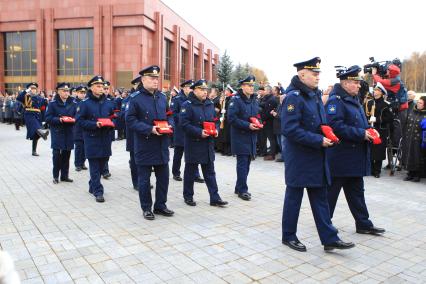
387 102
237 97
134 94
85 99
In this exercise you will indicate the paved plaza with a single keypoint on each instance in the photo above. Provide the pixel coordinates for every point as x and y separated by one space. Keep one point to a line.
59 234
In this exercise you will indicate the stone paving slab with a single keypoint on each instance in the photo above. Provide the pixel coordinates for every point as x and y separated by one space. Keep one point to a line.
59 234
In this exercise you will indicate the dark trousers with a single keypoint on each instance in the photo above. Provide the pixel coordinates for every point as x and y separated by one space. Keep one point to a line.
354 193
243 168
268 133
161 186
177 161
318 200
96 166
133 169
209 175
35 142
79 155
61 163
105 170
376 166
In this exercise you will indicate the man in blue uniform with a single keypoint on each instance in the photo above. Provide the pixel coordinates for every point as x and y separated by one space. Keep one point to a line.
33 105
148 105
79 156
305 158
178 135
350 160
96 135
242 108
199 145
62 136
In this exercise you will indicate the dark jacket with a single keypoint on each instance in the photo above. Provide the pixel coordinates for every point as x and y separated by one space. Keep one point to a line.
301 117
145 107
241 108
176 106
198 150
412 153
384 117
61 134
97 141
351 157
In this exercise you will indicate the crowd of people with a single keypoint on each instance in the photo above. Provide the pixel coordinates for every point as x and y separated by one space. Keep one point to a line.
328 140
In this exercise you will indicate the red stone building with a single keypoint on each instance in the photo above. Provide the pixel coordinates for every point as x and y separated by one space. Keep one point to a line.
50 41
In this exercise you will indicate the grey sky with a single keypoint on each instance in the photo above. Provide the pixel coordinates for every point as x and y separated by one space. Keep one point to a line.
272 35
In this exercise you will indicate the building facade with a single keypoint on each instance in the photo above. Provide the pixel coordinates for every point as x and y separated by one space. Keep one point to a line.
51 41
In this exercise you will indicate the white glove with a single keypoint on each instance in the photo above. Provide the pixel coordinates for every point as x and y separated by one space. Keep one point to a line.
223 111
372 119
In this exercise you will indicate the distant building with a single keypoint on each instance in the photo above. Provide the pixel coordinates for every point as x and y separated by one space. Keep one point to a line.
55 41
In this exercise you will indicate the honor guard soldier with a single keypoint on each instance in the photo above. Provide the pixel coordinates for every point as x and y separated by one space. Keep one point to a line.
147 107
178 135
196 113
79 156
243 109
33 105
350 160
60 115
93 116
305 157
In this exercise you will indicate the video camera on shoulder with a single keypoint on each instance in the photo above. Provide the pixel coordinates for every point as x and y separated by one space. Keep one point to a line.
381 66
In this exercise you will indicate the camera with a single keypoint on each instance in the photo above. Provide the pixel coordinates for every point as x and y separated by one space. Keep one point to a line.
381 66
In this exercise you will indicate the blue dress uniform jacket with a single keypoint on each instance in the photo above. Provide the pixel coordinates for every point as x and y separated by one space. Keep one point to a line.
144 108
32 113
129 132
301 117
193 113
241 108
350 158
176 106
97 141
78 131
62 136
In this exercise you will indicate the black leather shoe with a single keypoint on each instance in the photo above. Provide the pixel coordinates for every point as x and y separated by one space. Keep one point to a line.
66 179
35 154
55 181
236 192
100 199
371 231
43 133
107 176
190 202
148 215
377 175
177 178
415 179
199 180
339 245
244 196
296 245
165 212
219 203
77 169
84 167
407 178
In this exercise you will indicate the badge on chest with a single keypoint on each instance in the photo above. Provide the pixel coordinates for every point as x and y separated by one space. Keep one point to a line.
331 109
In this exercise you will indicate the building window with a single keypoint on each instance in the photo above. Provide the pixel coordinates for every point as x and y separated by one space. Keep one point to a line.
20 60
196 67
183 59
75 56
167 59
205 69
